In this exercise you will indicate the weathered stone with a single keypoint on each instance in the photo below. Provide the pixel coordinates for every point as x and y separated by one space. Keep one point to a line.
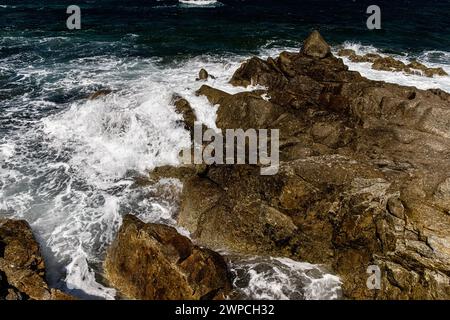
315 46
154 262
203 75
183 107
22 268
346 52
364 177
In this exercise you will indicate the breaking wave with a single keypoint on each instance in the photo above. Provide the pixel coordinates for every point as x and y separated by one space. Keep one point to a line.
433 59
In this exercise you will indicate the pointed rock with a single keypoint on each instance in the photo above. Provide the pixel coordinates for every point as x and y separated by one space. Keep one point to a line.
315 46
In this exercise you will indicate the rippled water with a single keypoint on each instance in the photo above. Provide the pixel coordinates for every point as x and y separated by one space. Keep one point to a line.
67 164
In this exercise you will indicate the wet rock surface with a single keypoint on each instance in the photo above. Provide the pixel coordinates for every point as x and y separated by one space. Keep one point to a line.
363 179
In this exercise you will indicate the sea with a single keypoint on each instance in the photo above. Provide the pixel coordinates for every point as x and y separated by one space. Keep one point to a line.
68 164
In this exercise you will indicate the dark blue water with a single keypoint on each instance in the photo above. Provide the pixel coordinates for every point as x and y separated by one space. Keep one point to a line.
66 163
167 28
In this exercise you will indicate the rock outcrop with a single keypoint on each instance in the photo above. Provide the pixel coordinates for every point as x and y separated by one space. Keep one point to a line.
22 268
99 94
390 64
184 108
154 262
364 177
315 46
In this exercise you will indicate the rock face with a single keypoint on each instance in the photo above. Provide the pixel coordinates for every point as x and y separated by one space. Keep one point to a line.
22 268
183 107
315 46
154 262
364 177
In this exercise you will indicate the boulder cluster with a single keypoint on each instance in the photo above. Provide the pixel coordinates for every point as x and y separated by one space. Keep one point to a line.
364 176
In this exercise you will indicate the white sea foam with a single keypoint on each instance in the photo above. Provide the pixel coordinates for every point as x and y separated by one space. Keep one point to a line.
433 59
6 151
75 168
267 278
200 3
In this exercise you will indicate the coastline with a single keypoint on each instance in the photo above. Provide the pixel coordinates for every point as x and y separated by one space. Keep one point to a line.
250 89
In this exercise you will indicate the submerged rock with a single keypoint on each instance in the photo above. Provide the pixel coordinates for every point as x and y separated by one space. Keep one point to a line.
203 75
154 262
22 268
99 94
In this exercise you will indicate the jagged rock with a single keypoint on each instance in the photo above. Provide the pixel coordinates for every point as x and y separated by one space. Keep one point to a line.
99 93
241 111
315 46
388 64
183 107
368 57
215 96
429 72
255 71
22 268
154 262
364 179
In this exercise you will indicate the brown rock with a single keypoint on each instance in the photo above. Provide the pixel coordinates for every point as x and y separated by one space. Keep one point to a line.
315 46
346 52
203 75
22 268
99 93
364 177
183 107
154 262
388 64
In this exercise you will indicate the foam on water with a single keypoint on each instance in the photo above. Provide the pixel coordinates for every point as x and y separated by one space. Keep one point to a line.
200 3
267 278
433 59
70 174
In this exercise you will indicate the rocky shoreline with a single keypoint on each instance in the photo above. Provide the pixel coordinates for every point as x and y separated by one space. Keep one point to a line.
364 180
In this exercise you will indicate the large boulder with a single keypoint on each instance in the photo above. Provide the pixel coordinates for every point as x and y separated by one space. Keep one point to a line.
154 262
241 111
22 268
203 75
315 46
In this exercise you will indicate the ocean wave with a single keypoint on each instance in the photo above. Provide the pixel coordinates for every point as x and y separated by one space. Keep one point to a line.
201 3
435 59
